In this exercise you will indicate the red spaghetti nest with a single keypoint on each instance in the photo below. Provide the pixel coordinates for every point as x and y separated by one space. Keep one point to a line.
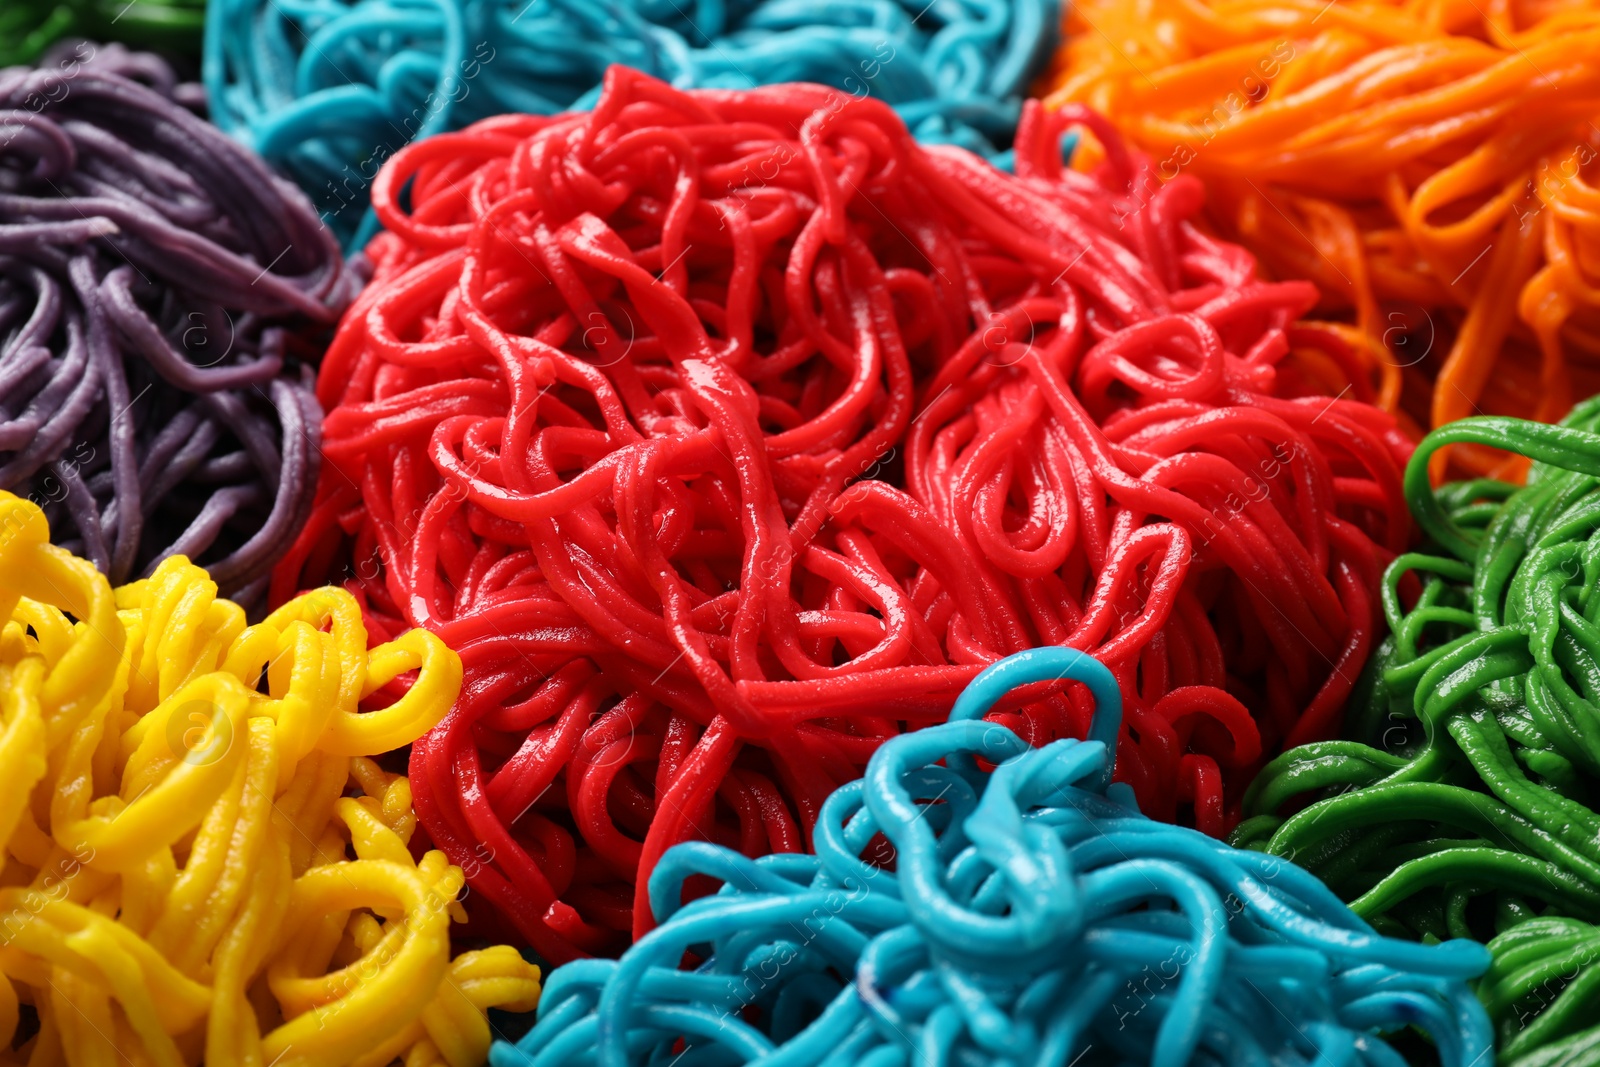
726 434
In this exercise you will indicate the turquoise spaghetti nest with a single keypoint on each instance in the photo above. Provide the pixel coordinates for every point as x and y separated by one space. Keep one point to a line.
327 90
1024 915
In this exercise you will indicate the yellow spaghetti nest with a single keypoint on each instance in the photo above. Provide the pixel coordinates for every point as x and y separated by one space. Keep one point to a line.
201 864
1434 165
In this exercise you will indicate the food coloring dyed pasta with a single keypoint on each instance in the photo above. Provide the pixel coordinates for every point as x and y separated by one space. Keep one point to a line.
1466 804
328 90
203 859
719 453
163 299
1024 914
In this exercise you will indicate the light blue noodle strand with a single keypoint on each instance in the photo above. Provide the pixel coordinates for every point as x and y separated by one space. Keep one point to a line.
1030 916
326 90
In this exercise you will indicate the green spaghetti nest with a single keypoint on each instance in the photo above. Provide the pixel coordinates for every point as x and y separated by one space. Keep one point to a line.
1467 808
28 27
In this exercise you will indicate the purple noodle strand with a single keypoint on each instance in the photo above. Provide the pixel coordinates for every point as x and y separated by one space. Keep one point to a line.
163 298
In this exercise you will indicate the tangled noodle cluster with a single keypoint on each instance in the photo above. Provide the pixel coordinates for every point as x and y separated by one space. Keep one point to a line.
161 301
1027 917
203 867
722 454
29 27
1431 166
1470 808
327 90
172 26
688 432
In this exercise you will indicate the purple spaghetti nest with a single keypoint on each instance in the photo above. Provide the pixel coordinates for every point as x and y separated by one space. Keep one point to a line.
162 300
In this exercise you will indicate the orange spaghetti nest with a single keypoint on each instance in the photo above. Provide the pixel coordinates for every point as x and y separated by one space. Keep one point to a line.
1433 165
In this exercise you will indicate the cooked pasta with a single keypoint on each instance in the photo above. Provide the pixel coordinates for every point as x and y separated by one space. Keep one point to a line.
1428 163
202 862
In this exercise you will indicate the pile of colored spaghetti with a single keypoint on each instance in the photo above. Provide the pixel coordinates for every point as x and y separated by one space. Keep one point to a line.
327 90
162 296
1431 166
201 863
29 27
1026 919
173 27
1470 806
728 434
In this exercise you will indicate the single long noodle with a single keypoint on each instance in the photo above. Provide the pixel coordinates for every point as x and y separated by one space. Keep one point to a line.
722 454
1468 803
161 297
1031 915
202 863
1432 166
328 90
